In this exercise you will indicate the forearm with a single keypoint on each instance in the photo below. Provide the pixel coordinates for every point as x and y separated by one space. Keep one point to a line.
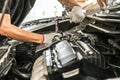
73 2
12 31
70 3
101 2
19 34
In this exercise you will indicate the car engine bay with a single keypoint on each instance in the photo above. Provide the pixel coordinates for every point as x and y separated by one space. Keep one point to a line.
86 51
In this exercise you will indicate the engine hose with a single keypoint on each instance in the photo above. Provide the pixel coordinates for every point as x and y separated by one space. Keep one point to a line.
20 74
115 66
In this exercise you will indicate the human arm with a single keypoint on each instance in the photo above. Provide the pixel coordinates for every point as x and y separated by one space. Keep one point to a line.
70 3
77 13
102 3
9 30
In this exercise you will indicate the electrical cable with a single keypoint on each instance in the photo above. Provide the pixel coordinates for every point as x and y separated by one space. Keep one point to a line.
114 66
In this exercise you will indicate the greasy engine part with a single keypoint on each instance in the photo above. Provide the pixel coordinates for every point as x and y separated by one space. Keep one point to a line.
26 51
92 54
106 23
6 58
83 57
24 60
72 58
17 73
104 35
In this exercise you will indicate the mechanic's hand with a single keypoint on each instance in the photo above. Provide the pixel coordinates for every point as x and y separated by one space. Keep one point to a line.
77 14
49 37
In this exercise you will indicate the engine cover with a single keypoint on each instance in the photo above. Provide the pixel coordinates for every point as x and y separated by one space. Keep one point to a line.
66 59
